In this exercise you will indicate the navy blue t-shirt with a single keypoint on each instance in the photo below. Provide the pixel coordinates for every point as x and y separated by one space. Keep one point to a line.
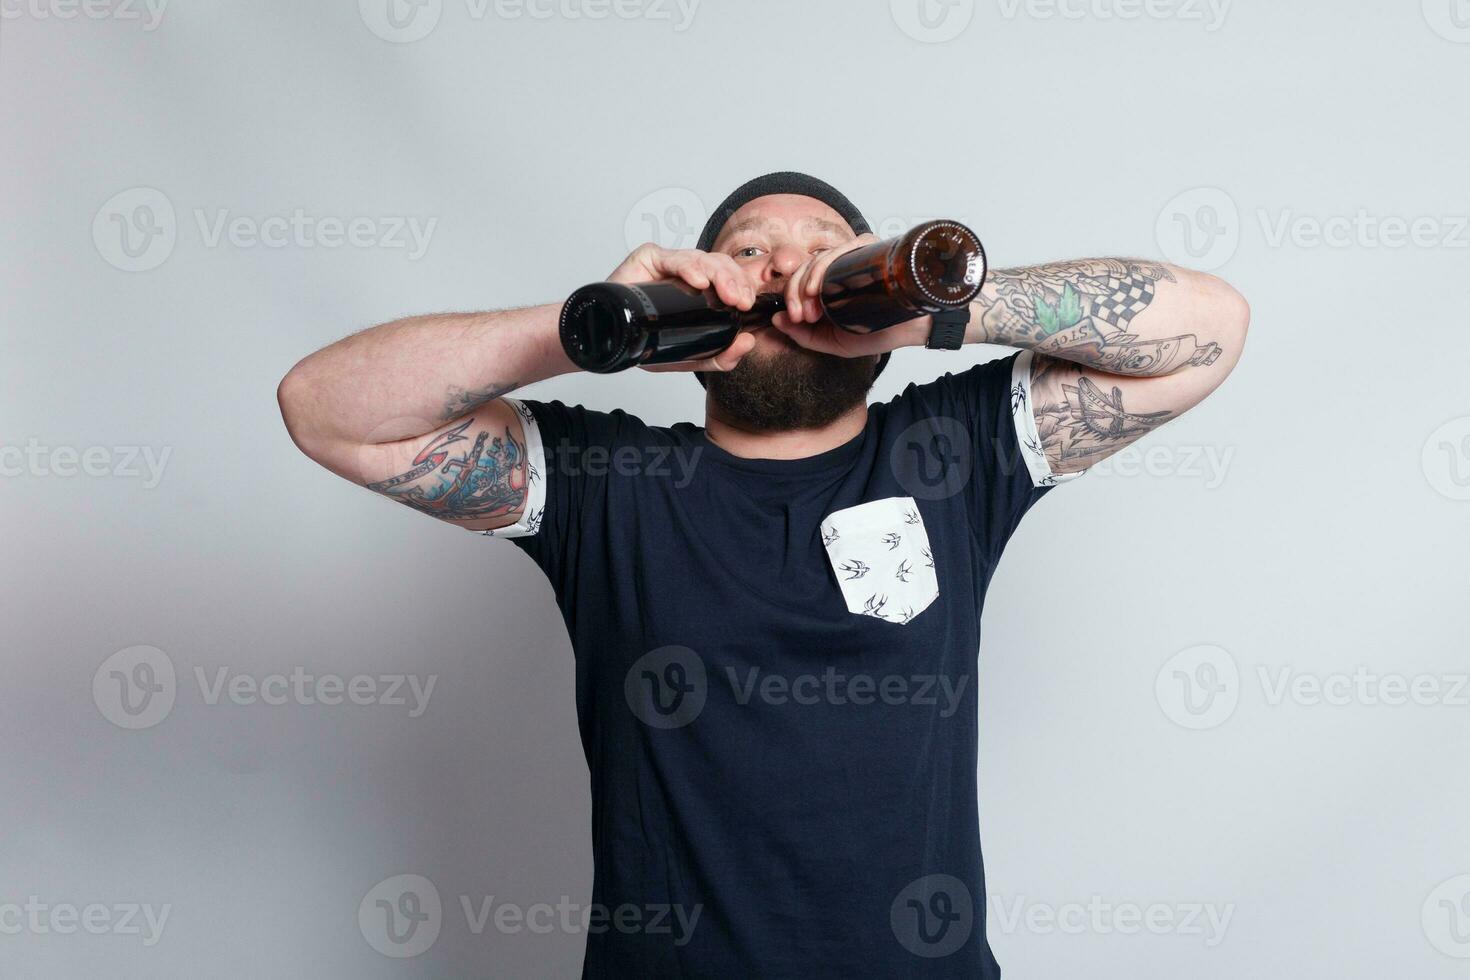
776 678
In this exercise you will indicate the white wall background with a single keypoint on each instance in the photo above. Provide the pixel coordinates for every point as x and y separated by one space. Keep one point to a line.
1309 521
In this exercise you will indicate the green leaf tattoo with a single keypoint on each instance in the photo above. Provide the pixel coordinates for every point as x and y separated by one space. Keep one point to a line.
1046 317
1069 310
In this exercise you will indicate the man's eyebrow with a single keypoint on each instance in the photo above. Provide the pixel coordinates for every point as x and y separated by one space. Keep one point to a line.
746 225
820 224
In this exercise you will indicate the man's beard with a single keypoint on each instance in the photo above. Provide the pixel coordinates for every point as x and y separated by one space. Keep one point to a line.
790 389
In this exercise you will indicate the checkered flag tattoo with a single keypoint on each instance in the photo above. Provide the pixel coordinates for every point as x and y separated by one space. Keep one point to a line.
1124 301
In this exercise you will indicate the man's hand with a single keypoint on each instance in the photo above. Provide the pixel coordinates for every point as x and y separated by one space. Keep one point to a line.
701 270
805 322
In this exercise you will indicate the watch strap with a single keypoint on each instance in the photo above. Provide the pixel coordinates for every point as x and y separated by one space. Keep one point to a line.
948 329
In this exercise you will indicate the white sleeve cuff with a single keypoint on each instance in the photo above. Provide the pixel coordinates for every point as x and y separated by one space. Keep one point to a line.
530 521
1023 414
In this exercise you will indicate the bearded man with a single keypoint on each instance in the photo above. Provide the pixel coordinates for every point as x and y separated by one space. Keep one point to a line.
776 614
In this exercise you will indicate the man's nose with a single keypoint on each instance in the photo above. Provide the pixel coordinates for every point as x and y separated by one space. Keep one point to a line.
785 260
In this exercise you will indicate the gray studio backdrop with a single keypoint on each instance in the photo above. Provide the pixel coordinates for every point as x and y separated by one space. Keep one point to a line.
249 713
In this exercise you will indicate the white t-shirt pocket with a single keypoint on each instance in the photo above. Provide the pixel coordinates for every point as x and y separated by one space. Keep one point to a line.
880 555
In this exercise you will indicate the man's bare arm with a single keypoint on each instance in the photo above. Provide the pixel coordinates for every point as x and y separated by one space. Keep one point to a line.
412 409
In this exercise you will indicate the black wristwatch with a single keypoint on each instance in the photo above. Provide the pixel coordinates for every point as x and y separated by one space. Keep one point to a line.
948 331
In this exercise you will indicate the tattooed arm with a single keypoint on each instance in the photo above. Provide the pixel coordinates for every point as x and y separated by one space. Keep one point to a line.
1121 346
412 409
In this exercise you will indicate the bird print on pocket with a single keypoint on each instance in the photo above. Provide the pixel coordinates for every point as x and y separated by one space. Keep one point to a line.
884 544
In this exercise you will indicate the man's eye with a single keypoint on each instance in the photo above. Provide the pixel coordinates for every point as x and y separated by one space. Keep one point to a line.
820 249
747 252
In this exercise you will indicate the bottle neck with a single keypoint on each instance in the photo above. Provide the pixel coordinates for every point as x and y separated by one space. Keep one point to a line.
766 305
